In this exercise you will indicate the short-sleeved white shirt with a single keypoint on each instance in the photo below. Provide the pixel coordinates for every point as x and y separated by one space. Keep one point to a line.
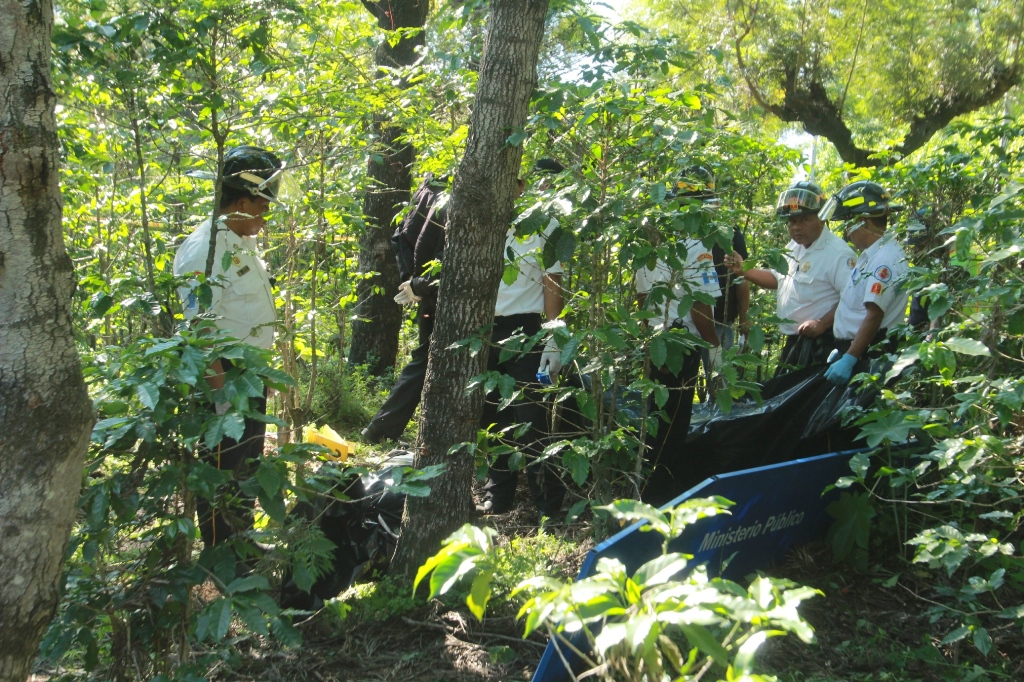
244 305
816 277
698 272
526 293
877 278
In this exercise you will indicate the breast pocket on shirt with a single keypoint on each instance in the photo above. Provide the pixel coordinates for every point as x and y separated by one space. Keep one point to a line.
247 292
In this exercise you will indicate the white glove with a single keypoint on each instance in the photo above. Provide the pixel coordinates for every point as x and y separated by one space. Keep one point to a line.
715 357
405 295
221 408
551 358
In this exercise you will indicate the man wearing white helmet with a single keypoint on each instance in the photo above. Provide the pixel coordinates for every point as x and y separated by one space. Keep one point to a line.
819 264
241 305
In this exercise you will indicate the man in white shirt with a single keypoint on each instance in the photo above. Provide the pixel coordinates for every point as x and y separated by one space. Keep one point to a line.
664 287
808 292
873 300
531 302
242 305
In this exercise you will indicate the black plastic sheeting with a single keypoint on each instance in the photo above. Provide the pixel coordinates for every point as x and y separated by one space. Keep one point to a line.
364 530
800 416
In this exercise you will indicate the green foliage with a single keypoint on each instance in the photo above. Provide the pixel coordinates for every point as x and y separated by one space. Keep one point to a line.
344 396
375 602
625 128
954 387
850 533
662 620
131 570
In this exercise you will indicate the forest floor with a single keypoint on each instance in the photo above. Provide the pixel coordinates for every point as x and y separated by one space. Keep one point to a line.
868 628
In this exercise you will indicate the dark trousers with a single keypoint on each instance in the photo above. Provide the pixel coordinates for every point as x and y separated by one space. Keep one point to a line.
546 486
394 415
801 351
231 511
667 455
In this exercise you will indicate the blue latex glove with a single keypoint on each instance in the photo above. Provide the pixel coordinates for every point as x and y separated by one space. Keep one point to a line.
841 370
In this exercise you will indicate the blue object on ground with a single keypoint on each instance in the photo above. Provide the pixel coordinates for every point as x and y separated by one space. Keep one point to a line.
778 507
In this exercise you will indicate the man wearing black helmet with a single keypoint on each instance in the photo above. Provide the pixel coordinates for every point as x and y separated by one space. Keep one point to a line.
242 305
808 292
872 301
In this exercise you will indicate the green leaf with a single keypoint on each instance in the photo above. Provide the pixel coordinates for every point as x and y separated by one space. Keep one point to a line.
956 635
480 594
699 637
967 346
163 346
578 466
982 640
220 618
100 303
272 504
510 274
214 433
517 138
234 425
632 511
269 477
849 533
253 619
659 352
744 661
566 247
660 570
247 584
148 394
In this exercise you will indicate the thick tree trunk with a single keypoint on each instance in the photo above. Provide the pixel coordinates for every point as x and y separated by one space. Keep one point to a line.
45 413
478 219
375 333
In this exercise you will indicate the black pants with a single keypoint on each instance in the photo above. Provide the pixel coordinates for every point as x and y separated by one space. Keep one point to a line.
394 415
667 455
801 351
231 511
879 345
546 486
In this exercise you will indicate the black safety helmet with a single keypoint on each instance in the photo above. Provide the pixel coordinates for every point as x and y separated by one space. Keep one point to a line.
859 199
695 182
801 198
253 170
548 165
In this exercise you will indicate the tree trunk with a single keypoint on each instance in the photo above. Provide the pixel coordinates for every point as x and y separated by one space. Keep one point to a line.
45 412
479 216
375 332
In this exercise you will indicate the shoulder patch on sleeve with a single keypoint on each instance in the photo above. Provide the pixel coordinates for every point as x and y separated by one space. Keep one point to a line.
876 288
883 273
851 262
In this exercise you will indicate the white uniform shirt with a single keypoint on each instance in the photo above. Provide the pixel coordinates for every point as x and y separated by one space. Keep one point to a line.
878 278
817 275
244 305
698 272
526 293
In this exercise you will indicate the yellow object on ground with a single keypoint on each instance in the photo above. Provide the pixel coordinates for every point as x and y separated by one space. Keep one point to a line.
330 439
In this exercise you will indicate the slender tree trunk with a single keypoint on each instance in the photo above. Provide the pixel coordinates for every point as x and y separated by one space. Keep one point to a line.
478 219
375 332
45 412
